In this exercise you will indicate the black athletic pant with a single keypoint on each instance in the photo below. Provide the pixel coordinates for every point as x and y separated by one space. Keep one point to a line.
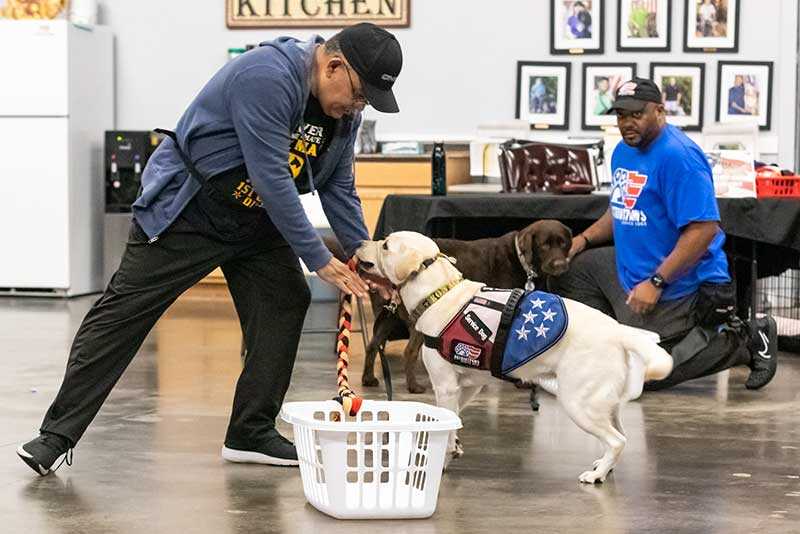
592 279
271 298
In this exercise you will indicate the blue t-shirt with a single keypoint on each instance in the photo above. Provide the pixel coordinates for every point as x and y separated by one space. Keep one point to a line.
655 192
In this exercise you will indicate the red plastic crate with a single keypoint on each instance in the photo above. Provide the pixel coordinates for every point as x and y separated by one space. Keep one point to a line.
783 186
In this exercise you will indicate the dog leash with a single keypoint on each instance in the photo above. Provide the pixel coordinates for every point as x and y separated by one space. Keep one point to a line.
387 373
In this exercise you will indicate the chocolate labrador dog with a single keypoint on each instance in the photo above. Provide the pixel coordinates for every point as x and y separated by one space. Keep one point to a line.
531 255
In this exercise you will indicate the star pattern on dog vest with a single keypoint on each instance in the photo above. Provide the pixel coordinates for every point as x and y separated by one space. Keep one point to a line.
530 316
537 303
548 315
522 333
541 330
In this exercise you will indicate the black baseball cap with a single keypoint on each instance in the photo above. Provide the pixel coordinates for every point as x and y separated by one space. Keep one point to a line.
376 56
634 95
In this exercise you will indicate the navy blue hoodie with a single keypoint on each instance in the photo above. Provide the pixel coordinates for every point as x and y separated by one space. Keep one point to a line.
246 114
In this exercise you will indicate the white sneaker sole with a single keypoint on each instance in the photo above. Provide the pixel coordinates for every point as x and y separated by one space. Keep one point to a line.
28 459
250 457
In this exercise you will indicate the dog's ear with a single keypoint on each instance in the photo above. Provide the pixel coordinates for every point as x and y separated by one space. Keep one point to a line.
567 235
408 263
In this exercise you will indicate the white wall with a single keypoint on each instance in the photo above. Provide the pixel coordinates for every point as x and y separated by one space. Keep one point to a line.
460 61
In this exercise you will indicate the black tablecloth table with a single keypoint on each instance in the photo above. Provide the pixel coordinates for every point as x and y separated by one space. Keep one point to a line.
766 231
773 221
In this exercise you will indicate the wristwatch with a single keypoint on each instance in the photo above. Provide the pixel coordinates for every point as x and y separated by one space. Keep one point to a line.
658 281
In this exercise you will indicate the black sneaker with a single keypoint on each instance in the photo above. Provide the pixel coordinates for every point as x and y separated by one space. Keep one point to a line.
41 453
276 450
763 348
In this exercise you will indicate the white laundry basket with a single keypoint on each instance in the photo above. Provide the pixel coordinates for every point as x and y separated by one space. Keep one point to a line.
386 464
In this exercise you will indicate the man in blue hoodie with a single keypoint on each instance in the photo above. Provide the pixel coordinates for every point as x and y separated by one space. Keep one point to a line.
223 191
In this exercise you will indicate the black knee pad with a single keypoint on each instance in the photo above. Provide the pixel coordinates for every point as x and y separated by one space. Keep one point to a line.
692 344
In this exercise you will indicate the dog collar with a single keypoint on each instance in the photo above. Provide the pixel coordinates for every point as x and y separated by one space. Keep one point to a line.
422 266
431 299
531 274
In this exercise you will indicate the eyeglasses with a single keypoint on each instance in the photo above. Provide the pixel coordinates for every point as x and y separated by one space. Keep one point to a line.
357 97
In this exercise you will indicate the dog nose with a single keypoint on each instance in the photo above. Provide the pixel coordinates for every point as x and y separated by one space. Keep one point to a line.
559 267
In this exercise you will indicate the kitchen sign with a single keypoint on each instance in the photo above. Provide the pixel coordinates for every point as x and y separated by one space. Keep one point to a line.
315 13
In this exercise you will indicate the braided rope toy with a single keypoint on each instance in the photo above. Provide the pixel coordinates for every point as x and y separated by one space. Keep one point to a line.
346 397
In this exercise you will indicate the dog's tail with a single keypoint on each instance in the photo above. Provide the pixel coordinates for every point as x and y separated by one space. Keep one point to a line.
646 361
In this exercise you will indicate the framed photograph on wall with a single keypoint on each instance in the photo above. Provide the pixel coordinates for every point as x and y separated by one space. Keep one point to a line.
711 26
682 89
644 25
543 94
576 26
600 84
744 93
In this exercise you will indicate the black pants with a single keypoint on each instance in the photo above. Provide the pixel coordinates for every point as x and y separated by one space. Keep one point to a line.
592 279
271 298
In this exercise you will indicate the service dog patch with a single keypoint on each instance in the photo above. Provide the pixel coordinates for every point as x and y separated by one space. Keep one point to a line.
475 327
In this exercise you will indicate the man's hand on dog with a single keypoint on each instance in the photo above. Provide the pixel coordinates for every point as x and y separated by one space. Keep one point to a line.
378 284
578 246
644 297
338 274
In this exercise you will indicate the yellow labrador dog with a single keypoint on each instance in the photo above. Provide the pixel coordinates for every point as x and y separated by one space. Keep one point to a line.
594 367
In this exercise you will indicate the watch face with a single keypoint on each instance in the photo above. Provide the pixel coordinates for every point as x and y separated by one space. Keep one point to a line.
657 281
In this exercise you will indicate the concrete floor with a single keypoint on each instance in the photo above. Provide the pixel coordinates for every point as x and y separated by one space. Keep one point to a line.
704 457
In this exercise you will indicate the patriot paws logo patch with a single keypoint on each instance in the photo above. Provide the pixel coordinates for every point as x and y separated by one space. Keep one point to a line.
466 354
626 188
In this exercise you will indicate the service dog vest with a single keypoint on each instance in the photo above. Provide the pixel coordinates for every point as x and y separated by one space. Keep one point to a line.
499 330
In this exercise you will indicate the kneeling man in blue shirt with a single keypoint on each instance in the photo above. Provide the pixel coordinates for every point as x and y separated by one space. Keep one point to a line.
667 271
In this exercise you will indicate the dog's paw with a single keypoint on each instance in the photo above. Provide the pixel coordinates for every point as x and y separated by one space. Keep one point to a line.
458 452
369 381
454 454
416 389
592 477
597 462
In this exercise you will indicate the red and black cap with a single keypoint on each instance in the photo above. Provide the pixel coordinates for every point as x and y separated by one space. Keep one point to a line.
634 95
376 56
